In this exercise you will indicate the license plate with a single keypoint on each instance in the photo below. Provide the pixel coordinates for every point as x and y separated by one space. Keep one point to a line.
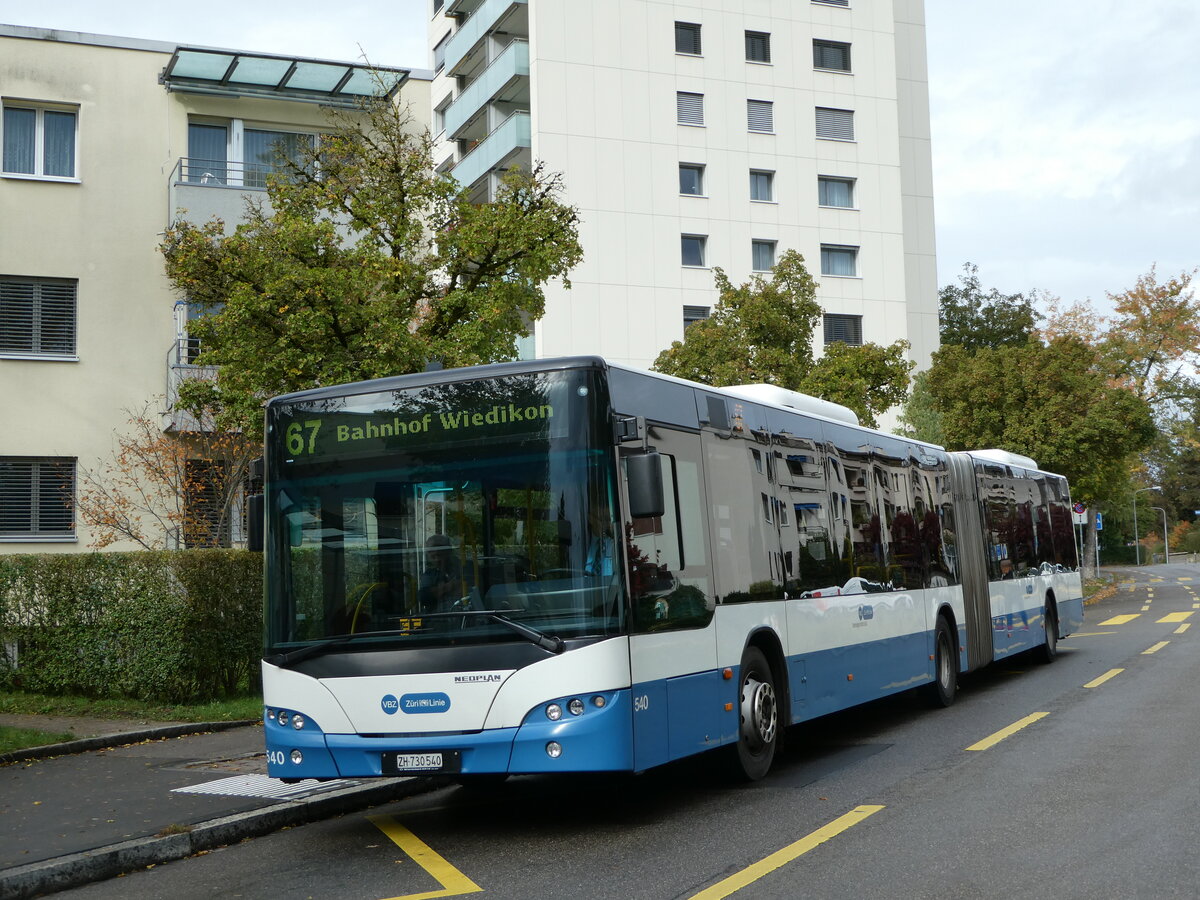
426 763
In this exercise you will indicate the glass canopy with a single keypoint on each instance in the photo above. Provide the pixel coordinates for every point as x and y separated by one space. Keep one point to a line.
198 70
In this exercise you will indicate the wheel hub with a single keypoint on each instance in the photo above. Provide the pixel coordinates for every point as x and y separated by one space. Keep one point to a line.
759 715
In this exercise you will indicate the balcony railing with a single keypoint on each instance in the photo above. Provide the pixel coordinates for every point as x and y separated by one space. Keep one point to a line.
474 28
502 145
181 367
223 173
502 72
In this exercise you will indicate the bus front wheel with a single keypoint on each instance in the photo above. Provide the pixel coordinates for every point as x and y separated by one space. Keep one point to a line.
758 731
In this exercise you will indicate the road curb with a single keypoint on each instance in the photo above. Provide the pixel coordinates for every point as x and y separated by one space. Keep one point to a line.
76 869
105 741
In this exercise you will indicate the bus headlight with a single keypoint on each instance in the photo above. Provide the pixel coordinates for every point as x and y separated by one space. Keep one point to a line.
297 721
297 757
575 707
599 702
553 712
554 749
282 717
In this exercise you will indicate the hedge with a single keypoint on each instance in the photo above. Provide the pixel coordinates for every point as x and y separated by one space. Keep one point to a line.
174 627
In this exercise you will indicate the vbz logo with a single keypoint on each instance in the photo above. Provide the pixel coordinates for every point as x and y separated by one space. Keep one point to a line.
390 704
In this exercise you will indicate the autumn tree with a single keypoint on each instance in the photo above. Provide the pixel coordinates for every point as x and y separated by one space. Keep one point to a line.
762 332
365 262
164 490
974 319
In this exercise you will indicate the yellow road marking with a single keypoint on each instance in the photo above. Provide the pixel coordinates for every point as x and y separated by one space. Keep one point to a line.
1120 620
1079 634
1196 606
1096 682
1012 729
1176 617
1155 648
1156 580
1183 579
1182 628
453 882
779 858
1146 608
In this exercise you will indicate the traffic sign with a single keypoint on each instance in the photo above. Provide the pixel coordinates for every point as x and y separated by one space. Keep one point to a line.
1079 508
1099 521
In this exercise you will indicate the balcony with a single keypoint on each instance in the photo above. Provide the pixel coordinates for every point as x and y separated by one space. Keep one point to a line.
181 368
508 144
505 80
208 187
465 52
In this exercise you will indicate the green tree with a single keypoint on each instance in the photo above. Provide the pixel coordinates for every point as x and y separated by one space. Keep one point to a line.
1052 402
365 262
762 331
921 418
974 319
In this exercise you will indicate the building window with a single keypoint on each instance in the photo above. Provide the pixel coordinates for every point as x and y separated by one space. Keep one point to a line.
839 260
689 108
758 46
831 55
847 329
439 53
833 2
687 38
762 254
694 314
37 317
693 249
439 114
835 124
212 161
762 185
39 141
691 179
835 191
760 116
37 498
437 6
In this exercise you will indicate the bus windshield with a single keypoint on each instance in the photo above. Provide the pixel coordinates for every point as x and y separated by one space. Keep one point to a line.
441 515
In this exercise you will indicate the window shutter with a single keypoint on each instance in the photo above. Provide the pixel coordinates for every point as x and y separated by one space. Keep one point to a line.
37 496
758 46
37 317
687 38
16 496
689 108
847 329
831 55
833 2
760 115
835 124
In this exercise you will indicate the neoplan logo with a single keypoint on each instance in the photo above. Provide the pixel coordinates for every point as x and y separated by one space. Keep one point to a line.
477 679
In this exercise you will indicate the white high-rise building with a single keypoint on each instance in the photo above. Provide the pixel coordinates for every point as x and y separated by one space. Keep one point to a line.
694 135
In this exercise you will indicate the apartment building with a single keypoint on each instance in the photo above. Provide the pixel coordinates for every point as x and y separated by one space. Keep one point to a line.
105 141
702 134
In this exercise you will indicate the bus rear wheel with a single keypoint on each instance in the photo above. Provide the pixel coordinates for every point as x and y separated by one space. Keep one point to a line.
1049 649
758 712
944 689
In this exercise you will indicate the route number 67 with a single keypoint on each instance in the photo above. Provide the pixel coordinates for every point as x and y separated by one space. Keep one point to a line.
295 437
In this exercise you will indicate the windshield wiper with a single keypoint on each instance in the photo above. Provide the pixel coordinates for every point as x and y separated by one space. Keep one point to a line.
311 650
550 642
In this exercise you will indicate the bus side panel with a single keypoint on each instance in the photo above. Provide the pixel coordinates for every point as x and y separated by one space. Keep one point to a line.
1068 595
1016 616
676 709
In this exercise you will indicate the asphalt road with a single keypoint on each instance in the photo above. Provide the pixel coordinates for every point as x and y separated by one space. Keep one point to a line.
1095 795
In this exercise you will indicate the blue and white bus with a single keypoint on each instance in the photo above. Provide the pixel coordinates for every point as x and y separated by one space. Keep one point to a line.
573 566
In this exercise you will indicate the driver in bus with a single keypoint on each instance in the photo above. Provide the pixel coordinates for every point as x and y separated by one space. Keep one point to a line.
442 581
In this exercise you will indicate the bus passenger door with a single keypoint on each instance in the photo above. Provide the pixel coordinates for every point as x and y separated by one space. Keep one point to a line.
676 687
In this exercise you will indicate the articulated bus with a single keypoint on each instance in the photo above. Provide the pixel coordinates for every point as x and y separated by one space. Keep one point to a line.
573 566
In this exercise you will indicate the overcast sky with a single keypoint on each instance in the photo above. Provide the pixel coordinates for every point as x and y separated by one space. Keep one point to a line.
1066 133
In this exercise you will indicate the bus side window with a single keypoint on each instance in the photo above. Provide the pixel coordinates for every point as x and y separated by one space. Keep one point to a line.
666 556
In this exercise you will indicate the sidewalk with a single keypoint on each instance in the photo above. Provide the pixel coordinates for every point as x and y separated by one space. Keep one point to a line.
118 800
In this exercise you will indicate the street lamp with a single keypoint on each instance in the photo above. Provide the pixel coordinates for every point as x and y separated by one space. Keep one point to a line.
1166 549
1137 547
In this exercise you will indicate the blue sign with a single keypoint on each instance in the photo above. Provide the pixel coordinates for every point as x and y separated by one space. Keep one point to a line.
1099 521
414 704
390 704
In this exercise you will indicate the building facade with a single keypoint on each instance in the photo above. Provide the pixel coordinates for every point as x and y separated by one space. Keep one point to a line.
702 134
105 142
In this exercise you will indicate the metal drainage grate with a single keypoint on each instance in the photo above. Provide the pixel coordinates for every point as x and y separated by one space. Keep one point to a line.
263 786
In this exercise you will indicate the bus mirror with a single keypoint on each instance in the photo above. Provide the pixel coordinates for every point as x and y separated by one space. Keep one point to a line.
255 514
644 471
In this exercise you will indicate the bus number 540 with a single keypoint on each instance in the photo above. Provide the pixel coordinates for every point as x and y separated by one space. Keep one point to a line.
641 704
